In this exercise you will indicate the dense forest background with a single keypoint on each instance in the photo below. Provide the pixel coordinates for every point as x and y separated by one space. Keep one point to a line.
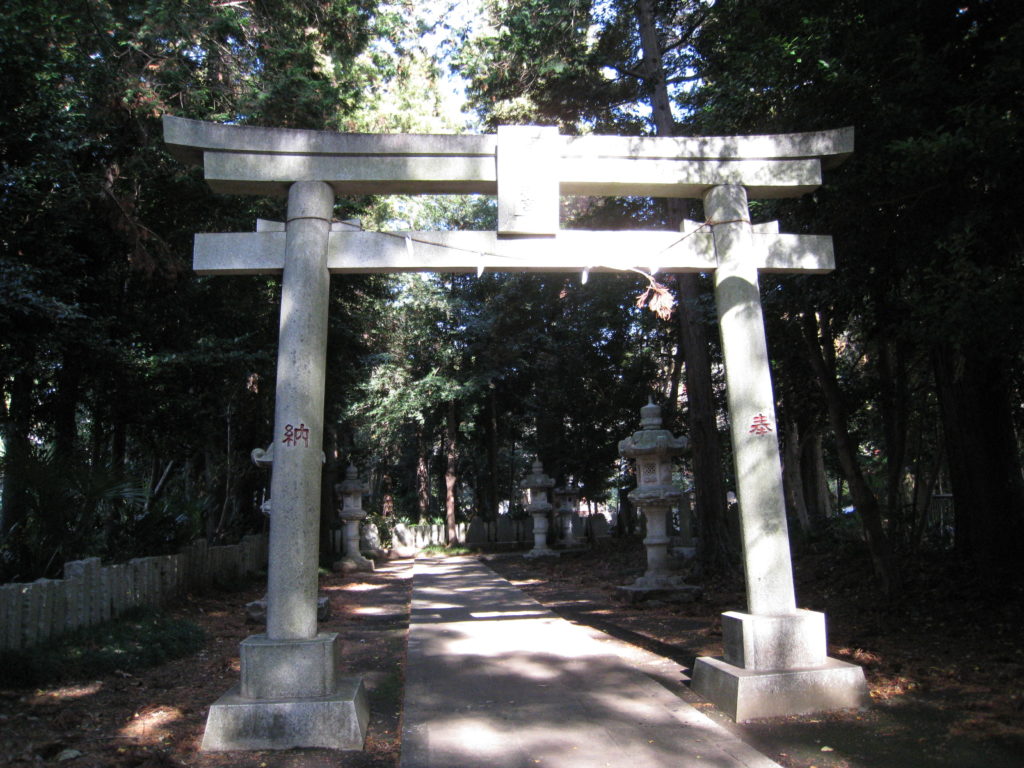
131 391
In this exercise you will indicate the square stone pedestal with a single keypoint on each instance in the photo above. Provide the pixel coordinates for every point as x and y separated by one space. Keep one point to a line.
289 696
776 666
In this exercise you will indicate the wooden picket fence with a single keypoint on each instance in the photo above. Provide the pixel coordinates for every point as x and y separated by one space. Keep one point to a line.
91 593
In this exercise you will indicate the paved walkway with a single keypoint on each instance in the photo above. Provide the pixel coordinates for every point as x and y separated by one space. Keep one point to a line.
495 680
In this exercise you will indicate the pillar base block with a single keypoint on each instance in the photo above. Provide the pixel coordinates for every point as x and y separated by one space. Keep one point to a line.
669 592
338 721
286 669
546 552
745 694
765 642
352 565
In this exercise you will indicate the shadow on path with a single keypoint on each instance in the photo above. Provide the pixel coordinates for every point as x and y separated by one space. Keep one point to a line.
495 679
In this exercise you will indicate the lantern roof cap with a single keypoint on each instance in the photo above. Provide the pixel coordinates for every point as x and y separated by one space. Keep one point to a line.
652 438
351 483
537 478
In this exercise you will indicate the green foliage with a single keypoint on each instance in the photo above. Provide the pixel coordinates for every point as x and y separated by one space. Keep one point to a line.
924 218
112 354
440 550
543 363
924 215
575 64
116 362
135 641
72 511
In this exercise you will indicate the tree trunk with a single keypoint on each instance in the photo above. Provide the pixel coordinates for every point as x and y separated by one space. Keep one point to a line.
422 476
673 386
328 503
16 424
984 465
492 457
792 479
892 365
65 416
821 354
227 506
119 446
926 476
816 492
709 490
450 475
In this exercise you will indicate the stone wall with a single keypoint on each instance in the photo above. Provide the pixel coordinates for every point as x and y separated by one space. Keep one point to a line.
91 593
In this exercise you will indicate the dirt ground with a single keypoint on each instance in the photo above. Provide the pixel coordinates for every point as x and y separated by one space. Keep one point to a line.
944 667
155 718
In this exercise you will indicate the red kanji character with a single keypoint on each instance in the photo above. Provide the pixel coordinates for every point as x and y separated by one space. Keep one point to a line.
760 425
292 435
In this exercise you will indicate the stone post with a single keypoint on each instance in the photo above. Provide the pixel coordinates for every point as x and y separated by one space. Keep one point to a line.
537 484
290 694
351 491
775 655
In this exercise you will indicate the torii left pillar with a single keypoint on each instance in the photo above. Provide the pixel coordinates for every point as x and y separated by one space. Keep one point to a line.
290 694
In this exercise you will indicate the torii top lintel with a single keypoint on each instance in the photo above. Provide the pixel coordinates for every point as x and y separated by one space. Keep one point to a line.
252 160
528 168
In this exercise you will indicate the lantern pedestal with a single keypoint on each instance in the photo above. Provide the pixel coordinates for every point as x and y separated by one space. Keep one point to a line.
568 540
537 484
659 581
351 491
540 537
567 498
353 559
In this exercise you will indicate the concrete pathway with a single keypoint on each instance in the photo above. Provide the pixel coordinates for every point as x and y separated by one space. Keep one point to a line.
495 680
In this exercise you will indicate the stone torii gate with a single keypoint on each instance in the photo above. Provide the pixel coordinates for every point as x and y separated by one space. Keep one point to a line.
775 658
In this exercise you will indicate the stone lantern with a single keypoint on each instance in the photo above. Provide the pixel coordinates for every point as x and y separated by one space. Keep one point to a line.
264 459
653 448
351 491
567 497
537 484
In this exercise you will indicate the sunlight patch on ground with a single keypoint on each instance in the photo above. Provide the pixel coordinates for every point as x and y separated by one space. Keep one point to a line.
67 693
150 725
479 735
569 603
436 605
373 610
361 586
883 686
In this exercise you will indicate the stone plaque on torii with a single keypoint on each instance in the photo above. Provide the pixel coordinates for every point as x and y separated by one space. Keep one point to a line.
775 660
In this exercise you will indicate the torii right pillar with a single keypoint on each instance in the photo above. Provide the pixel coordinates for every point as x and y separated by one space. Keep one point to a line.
775 661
